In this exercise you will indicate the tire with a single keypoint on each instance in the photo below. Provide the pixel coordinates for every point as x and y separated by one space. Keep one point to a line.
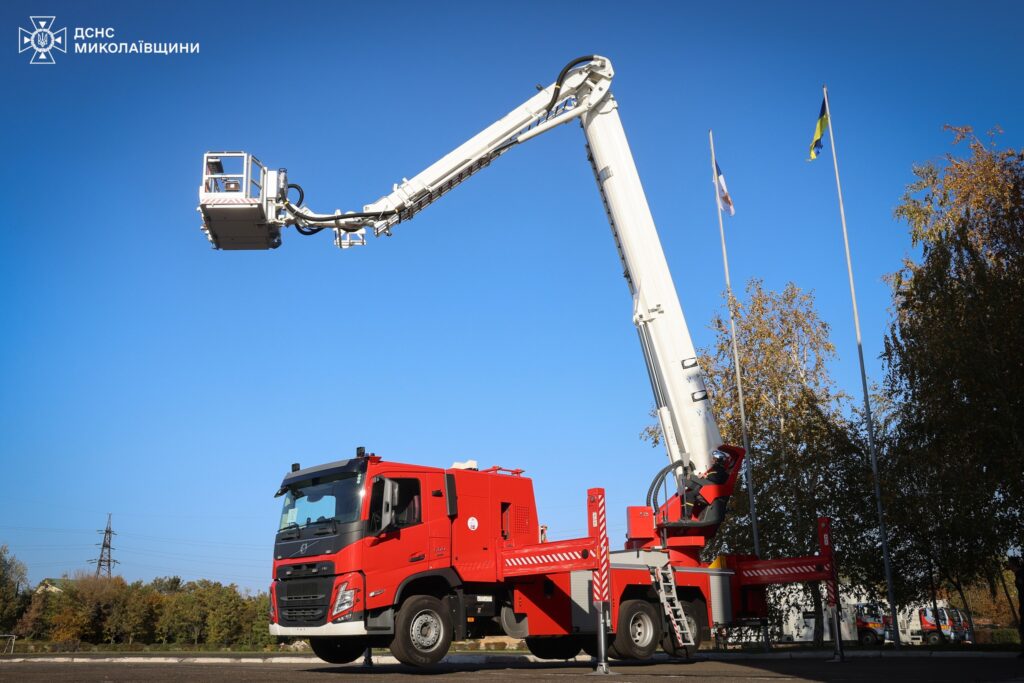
423 631
868 638
338 650
933 638
638 631
514 625
668 642
554 647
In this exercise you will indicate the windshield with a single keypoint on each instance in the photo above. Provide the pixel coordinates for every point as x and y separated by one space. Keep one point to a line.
871 612
338 498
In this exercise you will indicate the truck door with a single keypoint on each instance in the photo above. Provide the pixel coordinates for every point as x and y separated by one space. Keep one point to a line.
399 541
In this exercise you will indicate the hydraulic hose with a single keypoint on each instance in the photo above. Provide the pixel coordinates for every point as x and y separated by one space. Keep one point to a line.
561 77
659 479
330 218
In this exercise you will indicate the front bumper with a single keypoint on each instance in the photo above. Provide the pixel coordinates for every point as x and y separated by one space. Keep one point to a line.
348 628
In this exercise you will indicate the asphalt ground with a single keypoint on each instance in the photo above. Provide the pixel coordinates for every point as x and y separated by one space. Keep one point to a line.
871 670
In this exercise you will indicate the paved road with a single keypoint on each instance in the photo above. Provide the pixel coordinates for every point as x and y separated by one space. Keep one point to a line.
901 670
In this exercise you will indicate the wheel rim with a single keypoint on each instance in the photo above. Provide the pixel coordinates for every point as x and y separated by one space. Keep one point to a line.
641 629
426 630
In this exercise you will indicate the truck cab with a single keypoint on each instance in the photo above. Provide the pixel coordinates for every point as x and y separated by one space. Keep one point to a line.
931 626
359 537
870 626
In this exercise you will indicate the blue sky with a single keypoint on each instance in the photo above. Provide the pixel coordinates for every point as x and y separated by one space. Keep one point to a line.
146 375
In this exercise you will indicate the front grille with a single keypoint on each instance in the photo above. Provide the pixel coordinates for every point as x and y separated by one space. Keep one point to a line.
304 614
304 590
303 602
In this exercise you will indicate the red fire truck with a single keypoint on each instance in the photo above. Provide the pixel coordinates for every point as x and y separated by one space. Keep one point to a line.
870 625
372 552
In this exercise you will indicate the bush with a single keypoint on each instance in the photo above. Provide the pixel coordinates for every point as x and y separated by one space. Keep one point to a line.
68 645
997 636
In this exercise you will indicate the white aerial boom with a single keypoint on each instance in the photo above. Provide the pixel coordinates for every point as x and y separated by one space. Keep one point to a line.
245 207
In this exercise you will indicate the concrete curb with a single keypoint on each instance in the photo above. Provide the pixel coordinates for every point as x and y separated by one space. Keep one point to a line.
854 654
220 659
478 659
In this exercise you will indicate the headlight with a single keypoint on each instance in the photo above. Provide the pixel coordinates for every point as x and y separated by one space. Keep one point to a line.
344 599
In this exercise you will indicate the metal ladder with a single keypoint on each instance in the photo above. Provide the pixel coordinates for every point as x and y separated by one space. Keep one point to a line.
664 582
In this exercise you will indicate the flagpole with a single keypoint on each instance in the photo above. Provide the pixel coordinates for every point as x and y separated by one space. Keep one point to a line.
735 356
864 386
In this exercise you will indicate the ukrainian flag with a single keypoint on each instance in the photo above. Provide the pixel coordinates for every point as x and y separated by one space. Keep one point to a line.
819 130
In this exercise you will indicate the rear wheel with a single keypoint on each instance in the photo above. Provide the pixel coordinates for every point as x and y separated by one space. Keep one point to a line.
338 650
423 631
868 638
638 632
668 641
554 647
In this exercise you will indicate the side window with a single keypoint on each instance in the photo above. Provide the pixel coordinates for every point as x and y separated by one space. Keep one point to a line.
408 511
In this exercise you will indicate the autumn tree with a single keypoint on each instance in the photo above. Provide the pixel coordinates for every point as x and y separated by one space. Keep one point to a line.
38 619
803 455
956 367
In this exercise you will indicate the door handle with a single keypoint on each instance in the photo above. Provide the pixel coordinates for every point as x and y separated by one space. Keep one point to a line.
417 558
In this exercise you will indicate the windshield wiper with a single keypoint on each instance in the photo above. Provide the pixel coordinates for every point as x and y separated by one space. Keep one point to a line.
320 532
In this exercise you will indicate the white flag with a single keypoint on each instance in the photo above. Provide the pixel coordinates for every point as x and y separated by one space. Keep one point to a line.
724 200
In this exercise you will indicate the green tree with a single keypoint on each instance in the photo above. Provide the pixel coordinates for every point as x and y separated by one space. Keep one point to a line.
257 621
133 614
183 618
225 619
166 585
14 595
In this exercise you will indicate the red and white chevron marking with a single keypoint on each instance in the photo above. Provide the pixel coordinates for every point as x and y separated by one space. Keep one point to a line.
546 558
830 593
603 564
783 571
230 200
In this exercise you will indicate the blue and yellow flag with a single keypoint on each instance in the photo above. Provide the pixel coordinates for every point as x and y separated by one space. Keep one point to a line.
819 131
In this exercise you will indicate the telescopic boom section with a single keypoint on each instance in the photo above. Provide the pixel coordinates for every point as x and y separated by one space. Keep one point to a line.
580 92
684 408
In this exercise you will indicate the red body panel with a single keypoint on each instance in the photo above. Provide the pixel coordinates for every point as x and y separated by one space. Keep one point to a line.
546 602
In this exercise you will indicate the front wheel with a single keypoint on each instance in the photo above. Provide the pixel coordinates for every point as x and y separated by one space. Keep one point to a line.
423 631
338 650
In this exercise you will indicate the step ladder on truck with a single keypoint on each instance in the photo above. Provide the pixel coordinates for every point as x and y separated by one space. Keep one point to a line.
409 557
